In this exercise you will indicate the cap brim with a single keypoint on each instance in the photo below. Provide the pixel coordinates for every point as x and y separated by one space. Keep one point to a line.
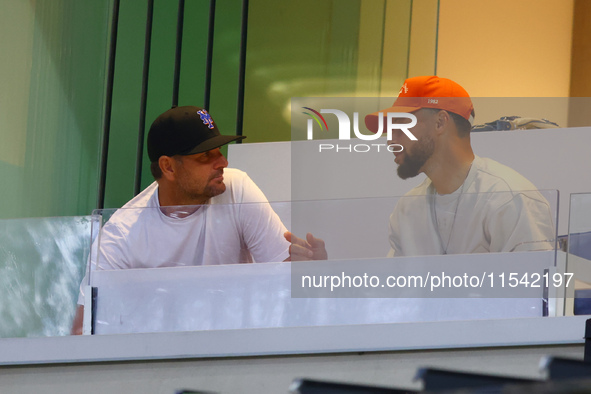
372 120
212 143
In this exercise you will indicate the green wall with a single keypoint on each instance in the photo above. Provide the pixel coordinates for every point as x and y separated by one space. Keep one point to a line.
294 49
53 95
51 105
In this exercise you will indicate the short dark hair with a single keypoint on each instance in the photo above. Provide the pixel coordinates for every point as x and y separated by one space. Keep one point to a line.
462 124
155 170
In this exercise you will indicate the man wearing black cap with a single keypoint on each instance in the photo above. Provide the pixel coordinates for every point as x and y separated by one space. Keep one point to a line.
183 147
197 212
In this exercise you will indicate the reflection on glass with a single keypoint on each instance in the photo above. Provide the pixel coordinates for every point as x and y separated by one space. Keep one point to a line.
343 48
350 229
420 225
42 261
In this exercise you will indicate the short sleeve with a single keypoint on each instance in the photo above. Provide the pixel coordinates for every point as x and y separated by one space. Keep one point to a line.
110 254
262 229
524 223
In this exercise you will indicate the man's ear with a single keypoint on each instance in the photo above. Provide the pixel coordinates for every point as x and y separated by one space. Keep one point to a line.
168 167
442 119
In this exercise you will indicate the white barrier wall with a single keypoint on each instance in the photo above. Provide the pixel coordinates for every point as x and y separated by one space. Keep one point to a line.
247 296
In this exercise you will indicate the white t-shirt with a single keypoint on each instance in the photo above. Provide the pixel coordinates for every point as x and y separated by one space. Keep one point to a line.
237 226
495 210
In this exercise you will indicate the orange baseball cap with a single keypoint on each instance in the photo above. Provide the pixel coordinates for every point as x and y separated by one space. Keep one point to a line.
427 92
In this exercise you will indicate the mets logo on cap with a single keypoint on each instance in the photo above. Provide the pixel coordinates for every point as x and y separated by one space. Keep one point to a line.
206 118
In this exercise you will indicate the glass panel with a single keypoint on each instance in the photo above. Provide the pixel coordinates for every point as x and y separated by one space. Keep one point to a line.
528 137
579 254
42 261
181 269
51 105
431 224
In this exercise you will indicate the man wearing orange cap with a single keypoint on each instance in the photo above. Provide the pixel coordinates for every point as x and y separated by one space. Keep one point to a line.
467 204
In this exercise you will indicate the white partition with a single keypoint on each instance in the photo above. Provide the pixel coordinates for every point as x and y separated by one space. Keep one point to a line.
550 158
246 296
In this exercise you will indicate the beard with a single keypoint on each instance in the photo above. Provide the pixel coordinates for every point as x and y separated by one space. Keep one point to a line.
412 164
196 191
212 190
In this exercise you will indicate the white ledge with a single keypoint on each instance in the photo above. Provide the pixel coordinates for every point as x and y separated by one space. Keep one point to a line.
295 340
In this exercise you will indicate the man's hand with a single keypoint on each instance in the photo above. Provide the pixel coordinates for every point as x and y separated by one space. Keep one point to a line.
78 319
311 248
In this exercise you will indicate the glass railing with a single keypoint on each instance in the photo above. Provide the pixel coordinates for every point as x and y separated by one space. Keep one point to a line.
181 268
578 247
42 262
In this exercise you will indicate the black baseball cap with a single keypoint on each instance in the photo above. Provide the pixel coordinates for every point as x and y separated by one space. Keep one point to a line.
185 131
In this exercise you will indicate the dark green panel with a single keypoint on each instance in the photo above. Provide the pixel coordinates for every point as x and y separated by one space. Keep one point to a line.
193 60
126 102
160 83
226 60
